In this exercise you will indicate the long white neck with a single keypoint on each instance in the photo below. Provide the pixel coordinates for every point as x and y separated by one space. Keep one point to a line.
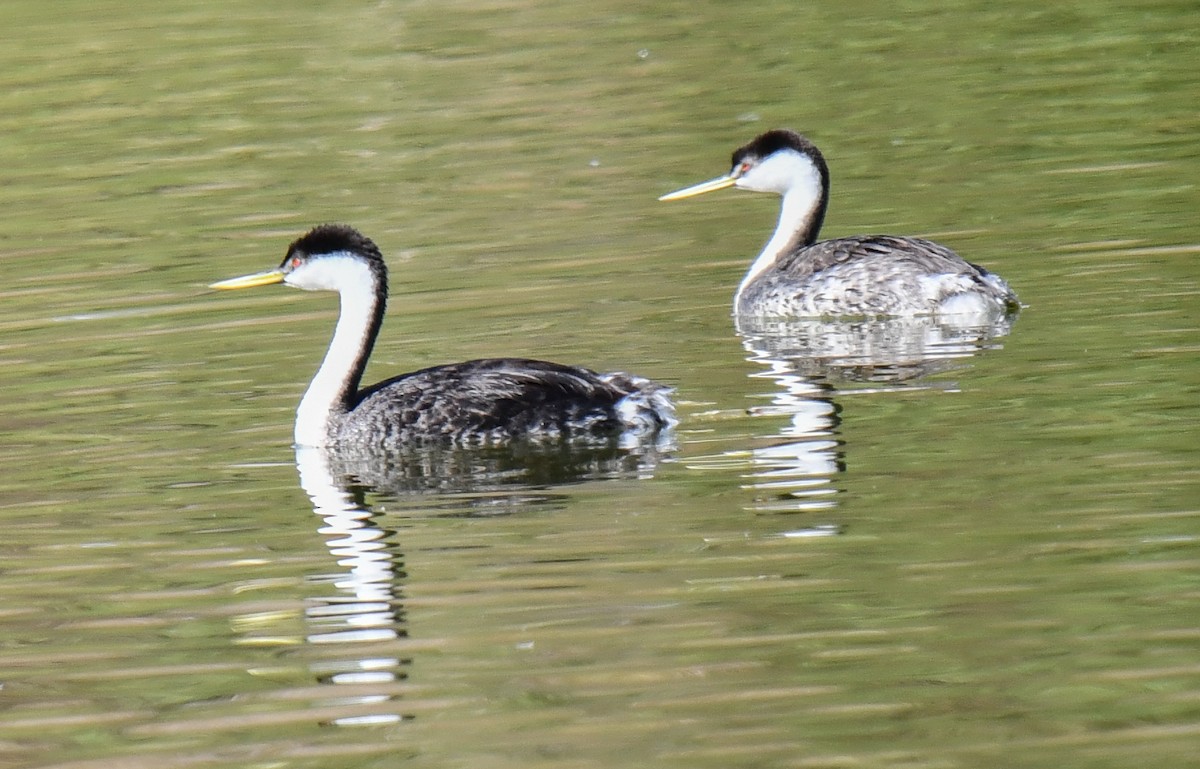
801 213
331 392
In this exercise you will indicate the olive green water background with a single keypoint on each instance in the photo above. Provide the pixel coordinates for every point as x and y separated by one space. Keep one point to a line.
998 566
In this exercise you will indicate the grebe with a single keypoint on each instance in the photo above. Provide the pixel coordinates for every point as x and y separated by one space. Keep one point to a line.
479 402
863 275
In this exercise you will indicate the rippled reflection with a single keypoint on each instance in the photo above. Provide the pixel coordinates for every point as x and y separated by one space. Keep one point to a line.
884 350
365 604
811 364
446 469
362 615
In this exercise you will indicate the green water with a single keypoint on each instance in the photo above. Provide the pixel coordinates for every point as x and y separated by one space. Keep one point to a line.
993 565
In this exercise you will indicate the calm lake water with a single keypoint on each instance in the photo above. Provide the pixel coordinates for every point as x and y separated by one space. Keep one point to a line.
870 546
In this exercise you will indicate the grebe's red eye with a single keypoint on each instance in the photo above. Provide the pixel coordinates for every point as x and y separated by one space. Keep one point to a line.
295 262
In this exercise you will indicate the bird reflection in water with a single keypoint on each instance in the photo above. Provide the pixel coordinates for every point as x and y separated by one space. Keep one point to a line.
890 352
360 624
364 617
423 468
813 364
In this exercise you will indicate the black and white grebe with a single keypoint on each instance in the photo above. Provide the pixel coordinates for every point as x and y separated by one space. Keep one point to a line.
864 275
479 402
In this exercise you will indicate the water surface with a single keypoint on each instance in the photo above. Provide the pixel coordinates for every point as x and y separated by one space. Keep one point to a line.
979 551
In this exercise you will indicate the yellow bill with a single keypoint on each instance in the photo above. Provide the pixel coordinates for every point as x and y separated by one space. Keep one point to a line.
250 281
712 185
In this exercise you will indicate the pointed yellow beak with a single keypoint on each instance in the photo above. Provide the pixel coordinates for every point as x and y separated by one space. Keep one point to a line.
720 183
250 281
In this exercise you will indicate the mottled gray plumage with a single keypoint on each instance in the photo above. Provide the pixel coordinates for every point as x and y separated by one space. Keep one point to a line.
499 400
869 275
865 275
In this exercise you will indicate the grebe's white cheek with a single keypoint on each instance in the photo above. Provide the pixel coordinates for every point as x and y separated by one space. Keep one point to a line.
781 173
332 272
303 280
755 180
762 177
